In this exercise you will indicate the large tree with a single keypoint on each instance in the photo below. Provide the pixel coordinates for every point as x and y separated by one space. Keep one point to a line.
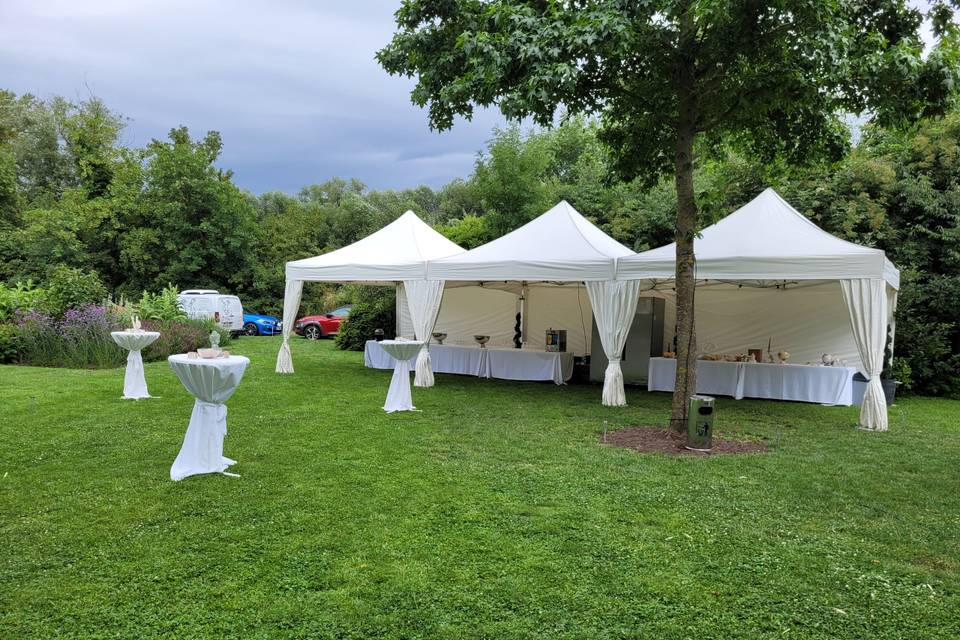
186 222
772 77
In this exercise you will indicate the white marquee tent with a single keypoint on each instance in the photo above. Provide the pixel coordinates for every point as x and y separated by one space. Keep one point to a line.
558 250
766 270
398 252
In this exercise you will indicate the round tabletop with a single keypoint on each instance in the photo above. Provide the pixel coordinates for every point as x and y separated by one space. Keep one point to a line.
221 363
209 379
134 340
401 349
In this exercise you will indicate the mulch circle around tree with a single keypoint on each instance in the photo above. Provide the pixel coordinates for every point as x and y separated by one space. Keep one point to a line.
662 440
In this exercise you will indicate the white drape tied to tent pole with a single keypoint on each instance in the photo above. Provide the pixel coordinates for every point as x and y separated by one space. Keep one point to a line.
867 303
423 300
613 392
291 304
614 305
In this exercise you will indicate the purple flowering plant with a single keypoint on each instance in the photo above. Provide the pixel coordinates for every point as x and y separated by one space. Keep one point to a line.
81 337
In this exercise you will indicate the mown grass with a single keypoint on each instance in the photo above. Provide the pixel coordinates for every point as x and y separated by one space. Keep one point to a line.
493 513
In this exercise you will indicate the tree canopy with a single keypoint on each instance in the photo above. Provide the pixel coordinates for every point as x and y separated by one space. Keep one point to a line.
770 77
774 75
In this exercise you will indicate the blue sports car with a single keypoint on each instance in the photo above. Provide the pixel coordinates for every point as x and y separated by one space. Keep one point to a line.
257 325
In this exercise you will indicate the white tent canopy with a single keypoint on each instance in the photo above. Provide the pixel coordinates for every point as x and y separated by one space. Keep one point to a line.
768 244
560 246
766 239
398 252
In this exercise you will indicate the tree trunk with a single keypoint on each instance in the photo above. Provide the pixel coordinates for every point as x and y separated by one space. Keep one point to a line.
685 383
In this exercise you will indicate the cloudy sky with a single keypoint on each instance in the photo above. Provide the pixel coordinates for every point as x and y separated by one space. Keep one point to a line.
292 85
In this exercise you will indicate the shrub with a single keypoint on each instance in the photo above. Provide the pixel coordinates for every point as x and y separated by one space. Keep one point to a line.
22 297
902 373
151 306
374 308
69 288
181 336
161 306
80 339
9 343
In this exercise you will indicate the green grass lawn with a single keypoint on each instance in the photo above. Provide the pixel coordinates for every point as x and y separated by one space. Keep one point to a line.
493 513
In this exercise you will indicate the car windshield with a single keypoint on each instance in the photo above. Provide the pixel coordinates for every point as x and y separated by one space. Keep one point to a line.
341 311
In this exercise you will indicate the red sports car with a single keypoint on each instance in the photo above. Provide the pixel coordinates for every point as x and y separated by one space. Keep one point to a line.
316 327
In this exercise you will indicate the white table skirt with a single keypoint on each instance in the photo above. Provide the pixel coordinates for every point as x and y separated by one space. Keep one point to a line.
492 362
797 382
134 382
402 353
211 382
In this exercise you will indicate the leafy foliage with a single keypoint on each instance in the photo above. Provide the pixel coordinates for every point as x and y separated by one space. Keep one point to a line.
373 308
192 225
79 339
22 297
161 306
469 231
9 343
69 288
179 335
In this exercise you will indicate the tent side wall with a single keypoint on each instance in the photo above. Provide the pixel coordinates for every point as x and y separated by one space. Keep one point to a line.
469 310
465 312
568 307
806 320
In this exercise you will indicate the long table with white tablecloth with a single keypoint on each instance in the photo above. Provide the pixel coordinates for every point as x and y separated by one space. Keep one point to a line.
797 382
491 362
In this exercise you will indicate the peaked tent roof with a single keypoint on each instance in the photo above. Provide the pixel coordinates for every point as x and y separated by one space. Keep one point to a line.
399 251
766 239
558 246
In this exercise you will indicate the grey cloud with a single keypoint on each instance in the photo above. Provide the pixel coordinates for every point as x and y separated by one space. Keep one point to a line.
292 86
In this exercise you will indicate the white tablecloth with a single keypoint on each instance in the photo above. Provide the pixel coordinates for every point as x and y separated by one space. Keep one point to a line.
492 362
134 383
403 353
211 382
801 383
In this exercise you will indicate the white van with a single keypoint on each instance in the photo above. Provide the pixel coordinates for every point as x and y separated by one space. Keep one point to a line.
209 303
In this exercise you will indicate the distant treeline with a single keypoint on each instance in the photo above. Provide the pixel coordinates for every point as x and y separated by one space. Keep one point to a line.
71 195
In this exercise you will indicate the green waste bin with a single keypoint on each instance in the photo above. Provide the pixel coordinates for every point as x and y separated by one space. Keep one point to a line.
700 423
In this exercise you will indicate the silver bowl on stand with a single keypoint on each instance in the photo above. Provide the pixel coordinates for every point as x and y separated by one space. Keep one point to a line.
482 341
439 336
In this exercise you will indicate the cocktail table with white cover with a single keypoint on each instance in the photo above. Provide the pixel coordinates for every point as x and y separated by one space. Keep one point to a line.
134 383
212 382
398 396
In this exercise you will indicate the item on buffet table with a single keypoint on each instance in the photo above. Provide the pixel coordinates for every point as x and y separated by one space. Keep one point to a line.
556 340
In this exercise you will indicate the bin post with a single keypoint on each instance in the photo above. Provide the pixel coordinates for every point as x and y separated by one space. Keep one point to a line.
700 423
